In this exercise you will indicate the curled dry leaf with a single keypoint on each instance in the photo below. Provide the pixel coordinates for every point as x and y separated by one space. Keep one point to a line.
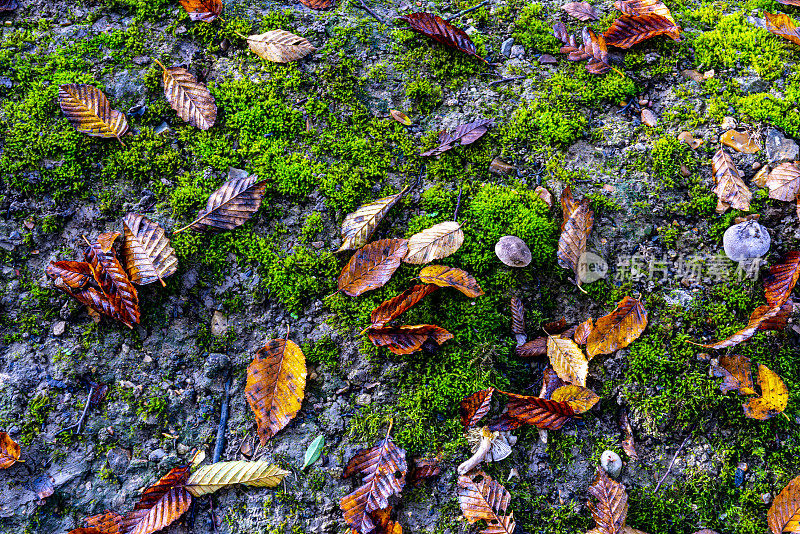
567 360
9 451
618 329
746 333
780 281
88 110
391 309
582 11
90 297
785 510
437 242
783 26
408 339
359 226
643 7
582 332
230 206
190 99
518 320
160 505
147 253
774 396
372 266
112 279
611 508
400 117
579 398
574 236
444 276
441 31
627 442
534 347
383 522
481 497
202 10
106 523
594 49
279 46
568 205
628 30
784 182
276 383
730 187
474 407
465 134
210 478
541 413
384 468
318 4
735 373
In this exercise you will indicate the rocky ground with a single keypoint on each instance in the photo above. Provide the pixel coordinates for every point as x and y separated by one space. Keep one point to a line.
320 129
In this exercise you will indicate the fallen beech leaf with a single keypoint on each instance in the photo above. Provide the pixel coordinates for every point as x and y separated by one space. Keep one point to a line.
383 523
580 399
441 31
611 508
9 451
784 514
189 98
481 497
780 281
147 253
582 332
212 477
425 468
276 383
730 187
746 333
279 46
740 142
473 407
160 505
88 110
391 309
106 523
437 242
385 468
534 347
783 26
735 373
618 329
582 11
777 322
568 205
358 226
318 4
465 134
314 451
649 118
541 413
628 30
774 396
574 236
627 443
96 302
230 206
202 10
372 266
400 117
594 49
784 182
444 276
567 360
73 274
408 339
643 7
43 486
518 320
112 279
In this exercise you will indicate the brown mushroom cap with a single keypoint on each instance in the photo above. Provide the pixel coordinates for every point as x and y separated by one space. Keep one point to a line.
513 251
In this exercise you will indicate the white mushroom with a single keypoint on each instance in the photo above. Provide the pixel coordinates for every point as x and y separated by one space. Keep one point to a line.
612 463
487 445
513 251
746 240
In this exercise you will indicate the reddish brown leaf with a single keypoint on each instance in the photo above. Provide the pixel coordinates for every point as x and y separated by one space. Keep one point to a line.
408 338
627 443
574 236
735 373
517 317
391 309
202 10
638 8
778 322
580 10
441 31
480 497
783 26
73 274
475 406
535 347
618 329
106 523
568 205
9 451
92 299
318 4
112 279
746 333
541 413
555 327
444 276
383 522
780 281
465 134
583 331
730 187
425 468
160 505
627 31
784 514
372 266
231 205
611 508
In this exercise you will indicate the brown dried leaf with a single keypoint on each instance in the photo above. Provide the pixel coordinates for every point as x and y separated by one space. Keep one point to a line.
88 110
112 279
575 234
618 329
534 347
550 383
782 25
230 206
160 505
582 11
627 443
8 5
568 205
385 468
628 30
579 398
643 7
746 333
106 523
474 407
202 10
735 373
517 317
594 49
611 508
567 360
425 468
318 4
779 321
536 411
784 182
383 522
276 383
784 514
774 396
441 31
372 266
465 134
147 253
780 281
437 242
391 309
444 276
583 331
73 274
279 46
407 339
189 98
358 226
480 497
9 451
730 187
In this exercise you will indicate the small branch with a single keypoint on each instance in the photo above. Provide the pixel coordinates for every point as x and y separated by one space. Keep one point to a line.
223 420
371 12
458 203
77 426
669 468
470 10
506 80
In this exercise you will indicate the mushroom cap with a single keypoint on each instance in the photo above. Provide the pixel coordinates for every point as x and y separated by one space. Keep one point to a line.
745 240
501 443
513 251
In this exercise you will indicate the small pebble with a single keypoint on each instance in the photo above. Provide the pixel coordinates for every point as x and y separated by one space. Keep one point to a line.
612 463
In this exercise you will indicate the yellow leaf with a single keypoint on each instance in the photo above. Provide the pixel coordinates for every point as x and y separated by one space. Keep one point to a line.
212 477
567 360
579 398
774 396
359 225
444 276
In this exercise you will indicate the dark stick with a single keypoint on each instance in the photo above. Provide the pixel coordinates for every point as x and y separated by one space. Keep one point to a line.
506 80
419 178
669 468
470 10
79 424
223 421
371 12
458 203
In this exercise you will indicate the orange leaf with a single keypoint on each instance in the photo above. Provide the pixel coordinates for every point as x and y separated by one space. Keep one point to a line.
628 30
73 274
779 321
746 333
383 523
391 309
112 279
425 468
735 373
480 497
783 26
611 508
372 266
583 331
9 451
202 10
318 4
408 338
784 514
541 413
618 329
774 396
780 281
160 505
568 205
444 276
474 407
579 398
441 31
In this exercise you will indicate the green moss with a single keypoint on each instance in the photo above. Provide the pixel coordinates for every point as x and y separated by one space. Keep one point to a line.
668 156
36 415
532 32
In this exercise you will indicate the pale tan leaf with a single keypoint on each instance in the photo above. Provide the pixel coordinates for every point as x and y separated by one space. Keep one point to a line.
279 46
567 360
435 243
358 226
212 477
189 98
147 253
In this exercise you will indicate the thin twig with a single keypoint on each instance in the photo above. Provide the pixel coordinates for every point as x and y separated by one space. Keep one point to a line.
458 204
223 420
506 80
419 178
77 426
371 12
669 467
470 10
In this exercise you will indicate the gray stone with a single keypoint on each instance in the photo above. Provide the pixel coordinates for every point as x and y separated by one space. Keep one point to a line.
59 327
364 399
215 363
517 52
156 456
505 48
118 461
779 148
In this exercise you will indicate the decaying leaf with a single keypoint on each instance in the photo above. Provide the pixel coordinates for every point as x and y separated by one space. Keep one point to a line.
230 206
568 205
627 442
372 266
437 242
746 333
358 226
276 383
407 339
73 274
643 7
735 373
730 187
780 281
444 276
581 335
425 468
160 505
783 26
212 477
541 413
441 31
534 347
190 99
481 497
400 117
93 299
618 329
383 522
580 10
473 407
391 309
518 321
384 468
574 236
774 396
147 253
567 360
594 49
611 508
279 46
112 279
628 30
318 4
779 321
784 514
106 523
88 110
9 451
465 134
202 10
784 182
579 398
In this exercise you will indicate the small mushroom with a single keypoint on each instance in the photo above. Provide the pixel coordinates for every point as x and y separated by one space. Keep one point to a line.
513 251
486 445
612 463
746 240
